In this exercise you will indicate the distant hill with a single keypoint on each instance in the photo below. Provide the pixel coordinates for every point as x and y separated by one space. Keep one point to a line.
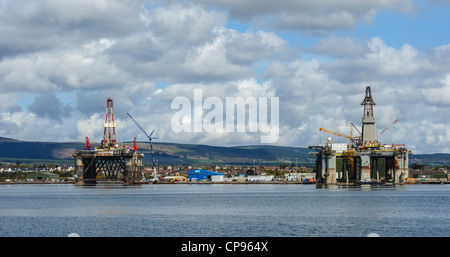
184 154
442 159
240 155
166 153
11 149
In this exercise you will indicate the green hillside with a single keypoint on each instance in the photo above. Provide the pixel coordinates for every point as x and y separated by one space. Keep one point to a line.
436 159
166 153
192 154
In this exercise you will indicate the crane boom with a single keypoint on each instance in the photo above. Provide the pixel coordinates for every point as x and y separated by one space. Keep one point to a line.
390 125
139 126
149 138
351 138
335 133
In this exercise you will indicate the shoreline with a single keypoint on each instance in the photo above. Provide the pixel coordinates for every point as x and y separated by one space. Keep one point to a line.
219 182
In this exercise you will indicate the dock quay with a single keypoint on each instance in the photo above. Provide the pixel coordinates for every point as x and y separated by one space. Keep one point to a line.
278 182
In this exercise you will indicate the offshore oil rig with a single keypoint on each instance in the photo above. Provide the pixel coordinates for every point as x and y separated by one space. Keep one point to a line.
364 159
108 162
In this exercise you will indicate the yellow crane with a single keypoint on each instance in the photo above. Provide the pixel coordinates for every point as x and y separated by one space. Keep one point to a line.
351 137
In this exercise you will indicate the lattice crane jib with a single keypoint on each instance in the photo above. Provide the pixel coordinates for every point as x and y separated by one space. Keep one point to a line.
109 134
368 103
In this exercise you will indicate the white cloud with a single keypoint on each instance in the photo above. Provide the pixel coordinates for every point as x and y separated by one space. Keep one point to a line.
246 48
315 17
144 55
379 62
28 126
340 47
91 127
182 25
59 70
439 96
29 26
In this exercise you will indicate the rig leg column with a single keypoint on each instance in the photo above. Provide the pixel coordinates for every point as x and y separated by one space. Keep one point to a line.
128 172
79 169
329 168
365 167
404 171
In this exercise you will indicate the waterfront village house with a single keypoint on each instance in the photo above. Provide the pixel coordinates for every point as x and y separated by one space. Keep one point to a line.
40 175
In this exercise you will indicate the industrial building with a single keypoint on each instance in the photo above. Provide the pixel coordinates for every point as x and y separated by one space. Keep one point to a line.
260 178
205 175
364 159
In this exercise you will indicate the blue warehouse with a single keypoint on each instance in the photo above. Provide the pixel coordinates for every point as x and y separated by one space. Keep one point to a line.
200 174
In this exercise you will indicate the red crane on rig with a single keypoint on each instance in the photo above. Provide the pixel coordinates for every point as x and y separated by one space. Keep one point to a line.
390 125
88 146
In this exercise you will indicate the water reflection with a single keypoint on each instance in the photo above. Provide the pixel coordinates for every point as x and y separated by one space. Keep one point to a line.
230 210
361 187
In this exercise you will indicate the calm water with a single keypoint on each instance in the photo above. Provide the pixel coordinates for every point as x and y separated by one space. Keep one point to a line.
224 210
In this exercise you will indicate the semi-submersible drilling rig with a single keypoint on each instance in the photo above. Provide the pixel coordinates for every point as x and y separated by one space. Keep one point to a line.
364 159
109 161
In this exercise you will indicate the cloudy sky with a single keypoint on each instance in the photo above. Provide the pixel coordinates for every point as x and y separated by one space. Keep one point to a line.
61 60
